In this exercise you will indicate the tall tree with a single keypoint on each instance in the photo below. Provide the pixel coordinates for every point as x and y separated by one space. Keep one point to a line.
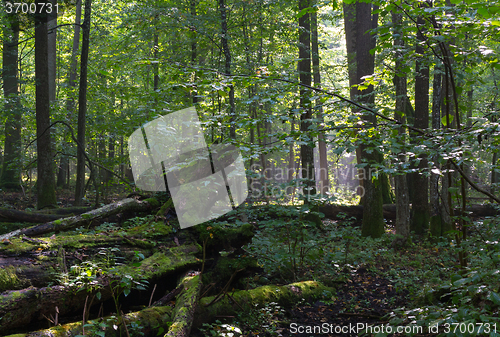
82 107
360 22
227 66
323 162
52 51
11 170
63 174
46 191
420 196
402 198
304 66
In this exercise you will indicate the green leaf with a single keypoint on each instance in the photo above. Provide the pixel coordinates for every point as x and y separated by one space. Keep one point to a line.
444 121
494 297
495 23
484 12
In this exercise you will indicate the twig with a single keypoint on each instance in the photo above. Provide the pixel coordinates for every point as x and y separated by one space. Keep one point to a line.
152 293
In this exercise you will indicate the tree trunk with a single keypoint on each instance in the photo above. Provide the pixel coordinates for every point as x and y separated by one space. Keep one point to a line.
323 160
420 197
306 150
373 221
52 52
402 198
63 175
82 107
11 168
46 191
227 66
435 201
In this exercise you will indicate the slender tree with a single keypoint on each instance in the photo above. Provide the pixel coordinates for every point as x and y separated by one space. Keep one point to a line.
63 174
304 66
420 196
11 170
82 107
402 198
323 162
227 66
46 191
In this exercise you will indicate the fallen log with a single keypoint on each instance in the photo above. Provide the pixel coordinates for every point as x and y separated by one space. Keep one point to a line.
185 307
152 322
341 212
246 300
12 215
125 205
22 307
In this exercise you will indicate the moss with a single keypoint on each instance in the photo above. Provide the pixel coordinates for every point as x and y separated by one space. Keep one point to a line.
153 202
185 305
161 263
151 319
17 246
247 299
9 279
150 229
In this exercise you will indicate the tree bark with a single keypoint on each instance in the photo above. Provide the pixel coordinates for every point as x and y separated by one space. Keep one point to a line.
227 66
11 168
324 183
46 191
82 107
419 222
63 176
402 198
306 150
373 221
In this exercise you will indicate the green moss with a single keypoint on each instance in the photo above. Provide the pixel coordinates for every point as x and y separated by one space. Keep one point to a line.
9 279
284 295
184 308
150 229
17 246
161 263
153 202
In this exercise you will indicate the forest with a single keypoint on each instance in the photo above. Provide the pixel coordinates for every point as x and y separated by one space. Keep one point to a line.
250 168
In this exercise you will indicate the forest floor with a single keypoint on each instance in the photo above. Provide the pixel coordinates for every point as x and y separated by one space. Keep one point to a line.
374 284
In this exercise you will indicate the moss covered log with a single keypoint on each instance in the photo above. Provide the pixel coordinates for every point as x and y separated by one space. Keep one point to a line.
185 307
148 323
245 300
125 205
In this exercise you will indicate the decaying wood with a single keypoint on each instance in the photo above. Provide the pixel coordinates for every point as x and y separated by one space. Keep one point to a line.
153 321
12 215
246 300
125 205
185 307
21 307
